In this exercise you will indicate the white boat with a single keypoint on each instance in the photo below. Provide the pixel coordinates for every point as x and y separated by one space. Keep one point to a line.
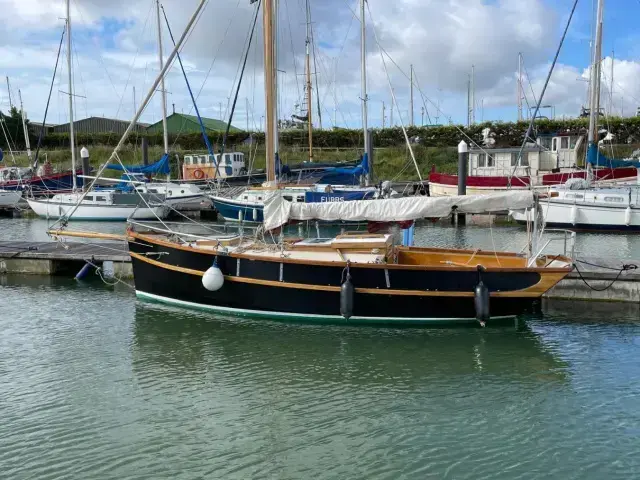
9 198
589 209
178 196
98 205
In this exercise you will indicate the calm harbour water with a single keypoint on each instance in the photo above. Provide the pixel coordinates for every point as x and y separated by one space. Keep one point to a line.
98 385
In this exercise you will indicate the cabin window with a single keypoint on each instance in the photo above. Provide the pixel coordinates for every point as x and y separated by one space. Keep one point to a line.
482 159
259 198
572 142
300 198
288 198
570 196
490 161
182 191
564 142
545 142
554 145
246 197
100 198
524 161
614 199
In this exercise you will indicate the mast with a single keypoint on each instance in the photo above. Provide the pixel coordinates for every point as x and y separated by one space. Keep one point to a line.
383 113
411 97
9 90
520 119
363 79
594 104
165 136
473 94
72 137
308 69
27 143
269 77
469 101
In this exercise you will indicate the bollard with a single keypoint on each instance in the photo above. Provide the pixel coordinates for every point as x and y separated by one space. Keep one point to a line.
463 160
86 167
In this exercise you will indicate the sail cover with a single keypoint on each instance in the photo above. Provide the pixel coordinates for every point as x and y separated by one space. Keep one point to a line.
278 211
160 167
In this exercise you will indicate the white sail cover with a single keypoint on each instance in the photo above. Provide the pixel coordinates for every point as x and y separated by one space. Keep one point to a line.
278 211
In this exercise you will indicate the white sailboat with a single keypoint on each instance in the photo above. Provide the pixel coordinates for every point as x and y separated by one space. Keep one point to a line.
578 204
97 205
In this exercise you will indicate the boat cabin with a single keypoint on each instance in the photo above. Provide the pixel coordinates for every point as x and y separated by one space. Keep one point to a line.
549 153
200 167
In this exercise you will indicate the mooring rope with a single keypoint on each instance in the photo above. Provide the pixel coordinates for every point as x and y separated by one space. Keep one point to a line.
624 268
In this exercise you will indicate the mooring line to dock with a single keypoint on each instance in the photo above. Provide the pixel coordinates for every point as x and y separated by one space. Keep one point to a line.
624 268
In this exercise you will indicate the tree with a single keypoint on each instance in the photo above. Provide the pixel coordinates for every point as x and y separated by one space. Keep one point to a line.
12 124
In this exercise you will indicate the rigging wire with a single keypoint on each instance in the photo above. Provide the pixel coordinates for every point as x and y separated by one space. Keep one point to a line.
235 99
46 110
544 88
393 96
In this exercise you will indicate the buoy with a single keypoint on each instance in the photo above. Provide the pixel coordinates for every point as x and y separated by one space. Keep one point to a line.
213 279
83 271
481 300
346 297
574 215
627 216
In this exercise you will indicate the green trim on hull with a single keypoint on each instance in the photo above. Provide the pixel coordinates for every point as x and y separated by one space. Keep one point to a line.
319 319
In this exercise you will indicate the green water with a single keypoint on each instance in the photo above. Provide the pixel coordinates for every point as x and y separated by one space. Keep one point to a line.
95 384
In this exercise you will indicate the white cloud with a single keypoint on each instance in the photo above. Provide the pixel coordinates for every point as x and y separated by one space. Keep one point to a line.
115 51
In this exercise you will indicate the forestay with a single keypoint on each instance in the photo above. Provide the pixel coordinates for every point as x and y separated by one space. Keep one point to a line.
278 211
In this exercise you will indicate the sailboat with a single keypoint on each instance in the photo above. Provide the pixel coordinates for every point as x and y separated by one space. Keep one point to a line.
578 204
352 278
97 205
332 184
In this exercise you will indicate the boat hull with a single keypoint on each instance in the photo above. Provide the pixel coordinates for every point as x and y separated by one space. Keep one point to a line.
48 209
234 211
57 182
311 293
585 216
9 198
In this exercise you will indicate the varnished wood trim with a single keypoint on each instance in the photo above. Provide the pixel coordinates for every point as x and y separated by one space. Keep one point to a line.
374 266
545 283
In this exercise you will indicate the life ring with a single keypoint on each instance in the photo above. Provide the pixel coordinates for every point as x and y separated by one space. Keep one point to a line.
198 174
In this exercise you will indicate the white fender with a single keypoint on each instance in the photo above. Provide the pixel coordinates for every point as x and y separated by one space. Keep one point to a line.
574 215
213 279
627 216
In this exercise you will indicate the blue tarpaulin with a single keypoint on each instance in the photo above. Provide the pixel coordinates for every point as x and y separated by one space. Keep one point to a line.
597 159
160 167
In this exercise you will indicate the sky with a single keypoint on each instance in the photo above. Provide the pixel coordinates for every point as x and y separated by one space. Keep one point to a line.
115 58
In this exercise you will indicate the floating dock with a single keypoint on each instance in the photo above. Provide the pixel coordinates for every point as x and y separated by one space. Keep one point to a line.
594 279
65 259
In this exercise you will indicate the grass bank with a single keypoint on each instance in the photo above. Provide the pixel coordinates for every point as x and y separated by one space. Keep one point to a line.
390 163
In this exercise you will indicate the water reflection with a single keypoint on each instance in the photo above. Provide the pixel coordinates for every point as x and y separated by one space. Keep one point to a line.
180 342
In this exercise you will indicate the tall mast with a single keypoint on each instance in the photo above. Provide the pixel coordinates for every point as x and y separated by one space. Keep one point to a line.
9 90
594 104
72 137
165 135
469 101
411 97
383 113
520 119
308 69
276 86
270 123
473 94
27 143
363 78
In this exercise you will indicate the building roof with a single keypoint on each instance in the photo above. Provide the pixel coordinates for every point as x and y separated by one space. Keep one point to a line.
190 122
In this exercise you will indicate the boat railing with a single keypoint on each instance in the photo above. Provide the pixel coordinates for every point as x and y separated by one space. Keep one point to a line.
205 231
568 241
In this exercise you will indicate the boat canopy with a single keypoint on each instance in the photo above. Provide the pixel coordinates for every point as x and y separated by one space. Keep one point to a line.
597 159
159 167
278 211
